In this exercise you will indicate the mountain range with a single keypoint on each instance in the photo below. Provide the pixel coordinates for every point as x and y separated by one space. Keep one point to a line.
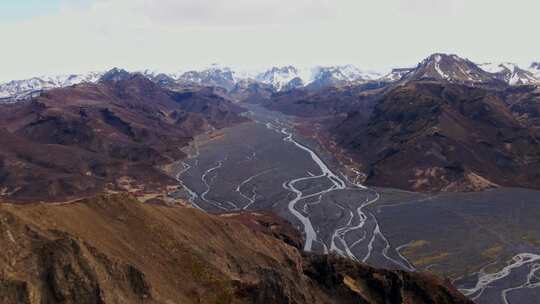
95 209
437 66
446 125
465 103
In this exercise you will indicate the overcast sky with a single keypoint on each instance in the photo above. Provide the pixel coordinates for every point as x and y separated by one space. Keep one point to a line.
61 36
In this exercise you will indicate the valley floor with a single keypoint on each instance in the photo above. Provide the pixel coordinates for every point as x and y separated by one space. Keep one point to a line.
264 165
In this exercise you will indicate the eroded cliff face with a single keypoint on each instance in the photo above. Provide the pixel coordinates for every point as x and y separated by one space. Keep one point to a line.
113 249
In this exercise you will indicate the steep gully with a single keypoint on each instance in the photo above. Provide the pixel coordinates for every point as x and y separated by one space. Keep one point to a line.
360 236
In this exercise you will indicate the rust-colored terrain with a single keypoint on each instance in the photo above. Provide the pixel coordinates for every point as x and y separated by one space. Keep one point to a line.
114 249
90 138
431 136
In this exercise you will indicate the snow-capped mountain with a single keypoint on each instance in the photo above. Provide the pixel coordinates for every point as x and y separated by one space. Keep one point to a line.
352 73
214 76
450 68
340 75
535 69
289 77
22 89
437 66
456 69
510 73
396 74
115 74
280 77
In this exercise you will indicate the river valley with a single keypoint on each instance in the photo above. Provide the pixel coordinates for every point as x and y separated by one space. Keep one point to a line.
488 243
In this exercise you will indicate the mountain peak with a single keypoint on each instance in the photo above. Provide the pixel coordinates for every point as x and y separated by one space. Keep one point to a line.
509 72
449 67
497 67
213 76
18 90
287 68
279 77
286 77
440 57
114 75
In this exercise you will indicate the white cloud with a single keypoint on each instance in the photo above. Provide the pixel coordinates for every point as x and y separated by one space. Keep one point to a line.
172 35
208 13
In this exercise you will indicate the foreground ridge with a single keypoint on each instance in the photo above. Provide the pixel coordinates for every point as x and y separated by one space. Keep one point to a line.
113 249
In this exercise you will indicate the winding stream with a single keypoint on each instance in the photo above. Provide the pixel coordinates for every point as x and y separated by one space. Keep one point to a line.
349 234
264 166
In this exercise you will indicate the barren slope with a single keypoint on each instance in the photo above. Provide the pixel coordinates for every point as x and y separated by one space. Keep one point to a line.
430 136
117 250
113 135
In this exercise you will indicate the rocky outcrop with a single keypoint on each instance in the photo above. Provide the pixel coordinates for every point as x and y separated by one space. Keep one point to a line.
12 291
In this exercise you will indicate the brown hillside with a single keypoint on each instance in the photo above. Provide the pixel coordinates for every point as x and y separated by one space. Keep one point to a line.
432 136
117 250
81 140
